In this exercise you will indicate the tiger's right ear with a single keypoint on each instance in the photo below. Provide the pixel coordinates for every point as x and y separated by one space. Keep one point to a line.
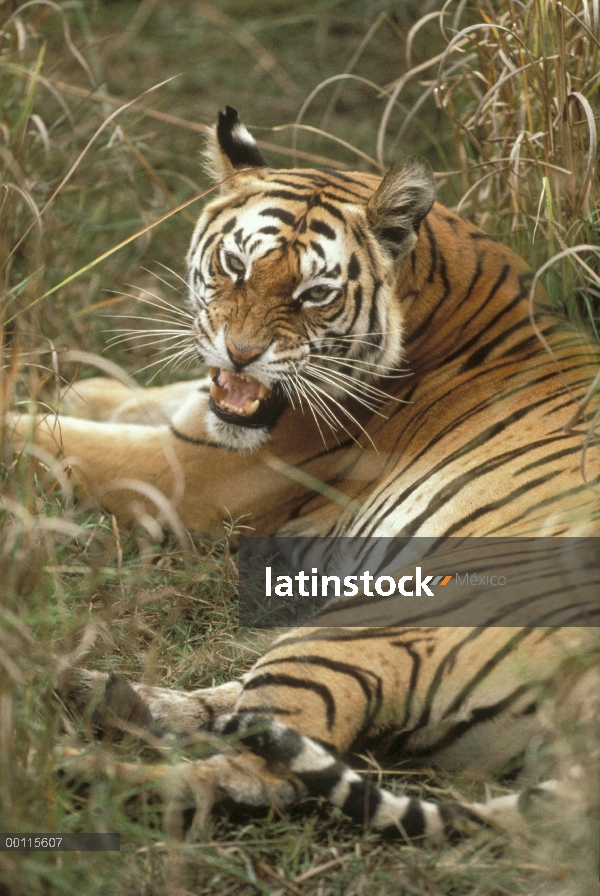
230 147
399 204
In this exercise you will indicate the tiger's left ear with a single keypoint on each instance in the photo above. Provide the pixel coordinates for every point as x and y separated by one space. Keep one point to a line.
399 204
230 147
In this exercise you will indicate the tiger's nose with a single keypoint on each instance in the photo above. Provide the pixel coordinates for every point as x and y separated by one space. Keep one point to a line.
241 355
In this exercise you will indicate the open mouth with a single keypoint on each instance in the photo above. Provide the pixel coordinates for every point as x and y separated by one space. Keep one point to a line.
240 399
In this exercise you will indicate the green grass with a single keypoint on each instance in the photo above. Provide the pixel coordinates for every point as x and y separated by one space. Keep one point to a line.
71 584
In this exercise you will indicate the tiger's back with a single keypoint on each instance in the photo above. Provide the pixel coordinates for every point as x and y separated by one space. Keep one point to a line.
482 435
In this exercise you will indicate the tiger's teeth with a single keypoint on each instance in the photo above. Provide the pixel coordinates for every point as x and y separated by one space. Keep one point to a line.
262 391
251 407
212 372
216 393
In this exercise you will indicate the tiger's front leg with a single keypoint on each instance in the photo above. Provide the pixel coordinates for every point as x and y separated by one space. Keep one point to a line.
175 473
107 399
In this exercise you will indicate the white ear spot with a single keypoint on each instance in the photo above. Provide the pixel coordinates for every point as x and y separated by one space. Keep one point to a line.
241 134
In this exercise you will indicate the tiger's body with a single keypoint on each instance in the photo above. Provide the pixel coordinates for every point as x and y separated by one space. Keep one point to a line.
314 295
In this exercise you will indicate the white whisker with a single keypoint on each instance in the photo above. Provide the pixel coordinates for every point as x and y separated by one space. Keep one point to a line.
359 398
166 342
323 397
358 338
180 330
171 271
365 366
160 303
186 284
170 359
350 384
166 282
301 392
325 411
187 318
186 361
288 393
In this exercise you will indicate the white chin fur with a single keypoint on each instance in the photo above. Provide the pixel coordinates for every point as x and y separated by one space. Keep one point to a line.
238 438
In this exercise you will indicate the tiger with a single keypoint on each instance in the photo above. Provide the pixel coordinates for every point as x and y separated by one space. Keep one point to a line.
377 366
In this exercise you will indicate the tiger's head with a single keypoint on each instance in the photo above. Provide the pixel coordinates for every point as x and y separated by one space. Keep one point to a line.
292 282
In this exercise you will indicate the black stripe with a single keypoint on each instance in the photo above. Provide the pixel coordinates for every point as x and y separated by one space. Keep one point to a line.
279 213
373 316
477 273
194 441
480 235
289 681
549 458
353 268
322 228
362 801
489 324
545 502
432 249
486 669
347 178
445 665
425 325
318 249
476 717
265 709
358 293
413 820
501 502
286 194
332 209
369 682
321 782
477 358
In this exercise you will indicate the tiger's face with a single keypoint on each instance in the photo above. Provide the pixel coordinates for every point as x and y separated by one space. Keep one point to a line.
291 278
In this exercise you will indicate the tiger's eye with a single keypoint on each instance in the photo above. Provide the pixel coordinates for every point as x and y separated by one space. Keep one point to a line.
234 263
316 293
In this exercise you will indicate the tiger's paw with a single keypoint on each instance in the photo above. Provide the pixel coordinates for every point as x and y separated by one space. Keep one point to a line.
180 789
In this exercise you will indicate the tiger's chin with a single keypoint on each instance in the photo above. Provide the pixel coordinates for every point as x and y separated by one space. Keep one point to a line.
236 437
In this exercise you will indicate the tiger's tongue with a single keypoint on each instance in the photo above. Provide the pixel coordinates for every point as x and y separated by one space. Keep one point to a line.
239 394
238 390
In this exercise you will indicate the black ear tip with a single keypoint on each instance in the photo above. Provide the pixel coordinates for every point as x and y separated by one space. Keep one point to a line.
236 143
229 117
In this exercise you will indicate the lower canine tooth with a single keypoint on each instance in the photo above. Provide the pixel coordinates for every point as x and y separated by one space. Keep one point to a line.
251 407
